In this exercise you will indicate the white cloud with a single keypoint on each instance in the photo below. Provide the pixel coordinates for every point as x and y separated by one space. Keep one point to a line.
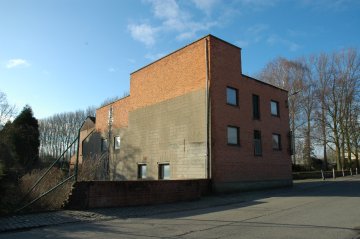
258 4
154 57
17 63
253 34
172 18
257 29
143 33
276 40
206 5
242 43
165 9
326 5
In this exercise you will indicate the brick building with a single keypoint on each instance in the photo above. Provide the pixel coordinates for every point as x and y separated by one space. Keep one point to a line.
193 114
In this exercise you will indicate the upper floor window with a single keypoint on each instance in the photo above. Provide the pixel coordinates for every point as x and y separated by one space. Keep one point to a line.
117 142
276 141
233 135
231 96
257 143
256 106
274 105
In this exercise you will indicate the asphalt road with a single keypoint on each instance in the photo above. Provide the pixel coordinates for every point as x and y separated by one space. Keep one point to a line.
309 210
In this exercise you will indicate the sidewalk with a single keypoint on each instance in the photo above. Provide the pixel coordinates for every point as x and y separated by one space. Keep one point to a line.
29 221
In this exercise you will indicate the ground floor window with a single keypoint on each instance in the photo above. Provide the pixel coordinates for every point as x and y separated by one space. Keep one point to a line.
142 171
164 171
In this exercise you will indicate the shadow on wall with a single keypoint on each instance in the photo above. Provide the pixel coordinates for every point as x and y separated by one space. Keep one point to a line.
123 164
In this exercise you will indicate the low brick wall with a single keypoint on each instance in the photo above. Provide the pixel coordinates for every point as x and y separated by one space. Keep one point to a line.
98 194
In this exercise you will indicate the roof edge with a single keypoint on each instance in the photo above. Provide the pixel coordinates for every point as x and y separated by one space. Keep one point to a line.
173 52
113 102
265 83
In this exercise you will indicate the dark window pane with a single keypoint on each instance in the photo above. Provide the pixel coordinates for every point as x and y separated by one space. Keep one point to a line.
257 142
256 107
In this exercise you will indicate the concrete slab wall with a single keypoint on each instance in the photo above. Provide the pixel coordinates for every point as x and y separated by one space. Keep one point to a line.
172 131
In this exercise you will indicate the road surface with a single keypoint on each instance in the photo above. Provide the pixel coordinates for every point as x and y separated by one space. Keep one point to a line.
312 209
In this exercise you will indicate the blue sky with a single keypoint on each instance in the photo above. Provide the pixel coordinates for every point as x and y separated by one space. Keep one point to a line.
63 55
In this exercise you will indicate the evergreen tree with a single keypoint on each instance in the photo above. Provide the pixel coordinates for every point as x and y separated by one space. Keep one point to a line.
25 138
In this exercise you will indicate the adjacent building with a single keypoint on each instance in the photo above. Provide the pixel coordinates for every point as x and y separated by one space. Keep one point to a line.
193 114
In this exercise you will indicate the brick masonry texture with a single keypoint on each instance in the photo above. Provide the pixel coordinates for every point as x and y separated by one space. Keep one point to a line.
165 120
129 193
238 163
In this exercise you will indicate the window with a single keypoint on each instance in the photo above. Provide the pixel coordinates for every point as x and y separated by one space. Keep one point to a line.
164 171
141 171
276 141
233 135
117 142
104 145
256 106
257 143
231 96
274 105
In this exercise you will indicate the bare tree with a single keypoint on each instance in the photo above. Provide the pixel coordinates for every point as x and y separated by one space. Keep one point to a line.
58 131
7 111
288 75
322 74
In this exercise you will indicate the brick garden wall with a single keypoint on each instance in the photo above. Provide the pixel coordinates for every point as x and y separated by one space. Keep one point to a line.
100 194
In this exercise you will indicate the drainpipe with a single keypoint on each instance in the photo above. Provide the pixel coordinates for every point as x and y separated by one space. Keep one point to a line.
207 103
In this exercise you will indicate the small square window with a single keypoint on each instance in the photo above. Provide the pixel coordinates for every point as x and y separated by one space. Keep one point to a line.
233 135
104 145
276 141
142 171
274 105
257 143
117 142
231 96
164 171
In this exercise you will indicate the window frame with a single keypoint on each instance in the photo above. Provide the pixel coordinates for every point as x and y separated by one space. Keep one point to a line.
256 107
277 108
278 148
140 175
237 135
161 171
257 140
115 144
236 96
104 144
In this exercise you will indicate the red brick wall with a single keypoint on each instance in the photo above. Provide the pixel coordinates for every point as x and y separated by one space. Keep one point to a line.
97 194
238 163
180 72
